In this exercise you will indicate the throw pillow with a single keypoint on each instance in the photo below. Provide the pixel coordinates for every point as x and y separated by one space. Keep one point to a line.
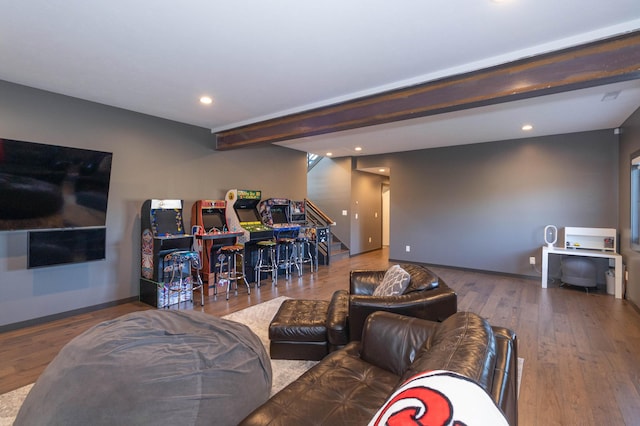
442 398
395 281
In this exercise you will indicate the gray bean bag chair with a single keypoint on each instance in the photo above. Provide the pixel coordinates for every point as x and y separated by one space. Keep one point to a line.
153 367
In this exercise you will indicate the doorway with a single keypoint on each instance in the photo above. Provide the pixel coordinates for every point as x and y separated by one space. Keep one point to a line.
386 196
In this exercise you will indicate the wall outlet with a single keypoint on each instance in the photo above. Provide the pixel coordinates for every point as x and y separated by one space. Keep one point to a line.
532 260
407 249
369 239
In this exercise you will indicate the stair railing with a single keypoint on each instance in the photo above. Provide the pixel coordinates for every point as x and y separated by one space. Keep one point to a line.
321 222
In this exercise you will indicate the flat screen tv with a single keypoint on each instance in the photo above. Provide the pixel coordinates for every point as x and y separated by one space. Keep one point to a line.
63 246
48 186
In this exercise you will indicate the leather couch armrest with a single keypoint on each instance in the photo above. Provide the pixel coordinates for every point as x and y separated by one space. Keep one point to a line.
337 328
392 341
364 281
505 379
434 305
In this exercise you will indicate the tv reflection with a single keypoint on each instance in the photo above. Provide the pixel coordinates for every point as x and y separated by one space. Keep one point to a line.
47 186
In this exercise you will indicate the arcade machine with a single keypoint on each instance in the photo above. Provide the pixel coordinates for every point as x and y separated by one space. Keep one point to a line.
316 234
276 213
242 215
209 226
162 233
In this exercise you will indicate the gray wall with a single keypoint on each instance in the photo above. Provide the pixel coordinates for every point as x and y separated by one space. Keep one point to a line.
329 187
335 186
629 144
366 212
152 158
484 206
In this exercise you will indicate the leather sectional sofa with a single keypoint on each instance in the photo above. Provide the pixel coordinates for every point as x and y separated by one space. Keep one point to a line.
349 385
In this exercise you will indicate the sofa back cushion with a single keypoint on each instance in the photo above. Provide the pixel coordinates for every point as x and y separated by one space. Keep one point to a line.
463 343
392 342
421 278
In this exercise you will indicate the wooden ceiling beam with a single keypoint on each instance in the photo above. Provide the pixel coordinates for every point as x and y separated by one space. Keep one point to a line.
602 62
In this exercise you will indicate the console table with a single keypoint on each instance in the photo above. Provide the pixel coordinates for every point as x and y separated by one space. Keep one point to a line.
546 251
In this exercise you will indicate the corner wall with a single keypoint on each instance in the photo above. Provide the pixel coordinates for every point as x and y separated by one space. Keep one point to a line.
152 158
629 143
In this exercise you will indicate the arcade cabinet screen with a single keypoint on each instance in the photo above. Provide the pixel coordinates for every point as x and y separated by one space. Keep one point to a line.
213 220
47 186
166 222
57 247
248 215
278 214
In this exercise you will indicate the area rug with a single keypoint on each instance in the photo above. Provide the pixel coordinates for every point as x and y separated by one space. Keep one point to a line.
257 318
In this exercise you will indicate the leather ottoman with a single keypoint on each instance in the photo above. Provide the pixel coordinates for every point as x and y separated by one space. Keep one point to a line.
299 331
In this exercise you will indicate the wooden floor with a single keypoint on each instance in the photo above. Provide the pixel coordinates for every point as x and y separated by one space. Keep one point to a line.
581 351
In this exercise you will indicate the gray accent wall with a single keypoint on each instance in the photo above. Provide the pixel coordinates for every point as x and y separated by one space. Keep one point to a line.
629 144
335 186
152 158
484 206
329 187
366 208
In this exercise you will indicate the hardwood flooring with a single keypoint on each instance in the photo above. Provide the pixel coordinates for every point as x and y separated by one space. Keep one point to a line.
581 351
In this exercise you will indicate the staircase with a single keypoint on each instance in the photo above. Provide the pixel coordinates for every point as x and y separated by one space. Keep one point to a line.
329 247
337 250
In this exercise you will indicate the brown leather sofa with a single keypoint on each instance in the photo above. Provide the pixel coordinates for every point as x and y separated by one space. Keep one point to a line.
427 297
349 385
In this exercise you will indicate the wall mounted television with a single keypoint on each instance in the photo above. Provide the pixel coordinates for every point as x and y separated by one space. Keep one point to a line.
63 246
52 187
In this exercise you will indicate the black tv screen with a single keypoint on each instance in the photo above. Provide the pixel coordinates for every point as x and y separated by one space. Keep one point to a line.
48 186
63 246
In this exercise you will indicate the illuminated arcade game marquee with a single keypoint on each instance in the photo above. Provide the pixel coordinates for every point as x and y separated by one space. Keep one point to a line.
209 226
162 233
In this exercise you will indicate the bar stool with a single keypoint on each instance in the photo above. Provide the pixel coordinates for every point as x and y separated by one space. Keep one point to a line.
266 261
303 254
285 250
229 256
182 262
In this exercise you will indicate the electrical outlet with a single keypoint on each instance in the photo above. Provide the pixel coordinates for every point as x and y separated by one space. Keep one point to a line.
532 260
407 249
369 239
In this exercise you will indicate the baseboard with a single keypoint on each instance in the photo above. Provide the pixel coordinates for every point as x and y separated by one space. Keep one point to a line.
62 315
479 271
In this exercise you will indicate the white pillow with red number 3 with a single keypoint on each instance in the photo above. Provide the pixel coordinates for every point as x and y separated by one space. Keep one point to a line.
439 398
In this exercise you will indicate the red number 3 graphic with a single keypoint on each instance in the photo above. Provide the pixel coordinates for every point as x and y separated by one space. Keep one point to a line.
419 406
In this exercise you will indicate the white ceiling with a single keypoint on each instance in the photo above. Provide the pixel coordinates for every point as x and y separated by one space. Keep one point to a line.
263 59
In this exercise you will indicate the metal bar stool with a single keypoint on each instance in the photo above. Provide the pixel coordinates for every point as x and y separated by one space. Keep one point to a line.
286 255
303 254
182 262
266 261
229 256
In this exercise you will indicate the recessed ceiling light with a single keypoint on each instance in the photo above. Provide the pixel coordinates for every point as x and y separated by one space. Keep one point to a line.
206 100
329 154
527 127
358 148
